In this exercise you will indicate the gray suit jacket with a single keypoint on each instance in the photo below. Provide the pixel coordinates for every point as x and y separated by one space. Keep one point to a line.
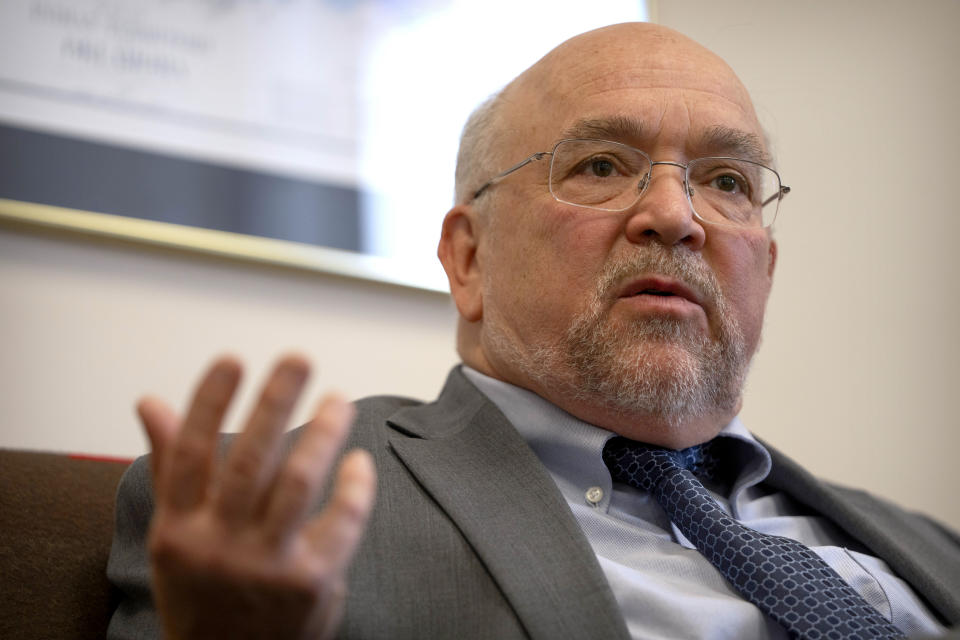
470 537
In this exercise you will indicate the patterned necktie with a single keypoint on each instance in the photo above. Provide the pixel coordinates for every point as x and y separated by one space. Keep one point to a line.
782 577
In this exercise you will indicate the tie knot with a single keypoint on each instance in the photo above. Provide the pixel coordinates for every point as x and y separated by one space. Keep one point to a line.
644 465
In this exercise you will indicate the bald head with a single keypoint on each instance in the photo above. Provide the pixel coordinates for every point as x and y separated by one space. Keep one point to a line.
630 54
532 111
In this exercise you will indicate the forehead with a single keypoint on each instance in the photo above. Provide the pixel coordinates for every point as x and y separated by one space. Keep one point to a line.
671 90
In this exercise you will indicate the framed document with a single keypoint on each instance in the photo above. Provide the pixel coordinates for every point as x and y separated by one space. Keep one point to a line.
314 133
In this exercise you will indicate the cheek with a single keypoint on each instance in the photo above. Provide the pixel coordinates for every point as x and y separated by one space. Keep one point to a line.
742 268
546 265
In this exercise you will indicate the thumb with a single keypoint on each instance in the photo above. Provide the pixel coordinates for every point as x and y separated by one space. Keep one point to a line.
161 424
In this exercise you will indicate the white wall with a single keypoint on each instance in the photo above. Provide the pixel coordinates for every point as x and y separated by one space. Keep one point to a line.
861 359
87 326
858 374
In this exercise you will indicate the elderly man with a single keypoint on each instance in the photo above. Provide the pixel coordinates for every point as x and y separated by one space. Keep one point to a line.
583 474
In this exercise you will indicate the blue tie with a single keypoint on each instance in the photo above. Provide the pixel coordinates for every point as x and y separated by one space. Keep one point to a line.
782 577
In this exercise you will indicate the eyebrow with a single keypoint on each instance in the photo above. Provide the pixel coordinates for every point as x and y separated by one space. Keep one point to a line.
735 142
717 140
616 128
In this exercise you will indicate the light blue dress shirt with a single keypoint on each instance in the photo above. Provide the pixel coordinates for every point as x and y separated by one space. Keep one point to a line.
665 587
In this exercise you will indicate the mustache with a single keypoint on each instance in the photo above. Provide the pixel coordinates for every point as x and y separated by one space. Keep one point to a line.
678 263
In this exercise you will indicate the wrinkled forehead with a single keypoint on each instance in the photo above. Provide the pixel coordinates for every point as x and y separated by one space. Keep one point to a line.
655 78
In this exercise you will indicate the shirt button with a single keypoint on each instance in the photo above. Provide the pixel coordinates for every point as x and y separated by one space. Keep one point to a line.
594 495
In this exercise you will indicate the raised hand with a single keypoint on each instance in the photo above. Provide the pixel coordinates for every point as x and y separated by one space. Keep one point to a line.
234 549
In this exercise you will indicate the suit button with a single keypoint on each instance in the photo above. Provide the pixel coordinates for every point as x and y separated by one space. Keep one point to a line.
594 495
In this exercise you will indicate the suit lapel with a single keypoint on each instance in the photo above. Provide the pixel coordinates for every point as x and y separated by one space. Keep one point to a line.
918 550
484 476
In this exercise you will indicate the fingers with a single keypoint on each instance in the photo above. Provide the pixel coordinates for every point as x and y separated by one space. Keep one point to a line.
336 533
299 481
251 484
252 461
189 459
161 424
231 533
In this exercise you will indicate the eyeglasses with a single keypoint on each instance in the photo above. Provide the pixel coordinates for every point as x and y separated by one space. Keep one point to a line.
610 176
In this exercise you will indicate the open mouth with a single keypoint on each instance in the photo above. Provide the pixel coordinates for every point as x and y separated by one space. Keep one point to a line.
661 287
654 292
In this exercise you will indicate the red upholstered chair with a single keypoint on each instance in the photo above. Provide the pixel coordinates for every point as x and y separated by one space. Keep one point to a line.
56 523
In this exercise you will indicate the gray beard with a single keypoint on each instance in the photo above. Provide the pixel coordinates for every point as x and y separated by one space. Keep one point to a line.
624 368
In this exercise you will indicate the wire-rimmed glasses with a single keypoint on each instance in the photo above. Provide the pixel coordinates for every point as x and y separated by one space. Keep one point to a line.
612 176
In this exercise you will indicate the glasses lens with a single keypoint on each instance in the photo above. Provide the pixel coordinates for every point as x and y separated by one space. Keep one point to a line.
734 192
597 174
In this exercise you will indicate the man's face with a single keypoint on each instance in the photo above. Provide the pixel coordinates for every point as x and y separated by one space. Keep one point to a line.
642 321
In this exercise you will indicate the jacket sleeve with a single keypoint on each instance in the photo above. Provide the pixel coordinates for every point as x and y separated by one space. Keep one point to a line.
128 567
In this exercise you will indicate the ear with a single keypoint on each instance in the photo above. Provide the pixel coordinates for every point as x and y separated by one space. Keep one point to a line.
459 239
772 257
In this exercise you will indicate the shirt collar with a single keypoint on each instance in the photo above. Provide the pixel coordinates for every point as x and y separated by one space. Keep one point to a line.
571 448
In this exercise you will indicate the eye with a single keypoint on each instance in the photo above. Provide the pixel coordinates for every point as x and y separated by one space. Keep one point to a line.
724 180
727 183
597 166
601 168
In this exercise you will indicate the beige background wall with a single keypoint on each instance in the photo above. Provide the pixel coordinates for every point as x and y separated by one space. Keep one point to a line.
861 359
859 371
88 326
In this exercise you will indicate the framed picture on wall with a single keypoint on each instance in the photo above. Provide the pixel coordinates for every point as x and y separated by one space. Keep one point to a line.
318 134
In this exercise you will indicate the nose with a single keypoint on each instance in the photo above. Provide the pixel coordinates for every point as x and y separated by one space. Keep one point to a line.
663 213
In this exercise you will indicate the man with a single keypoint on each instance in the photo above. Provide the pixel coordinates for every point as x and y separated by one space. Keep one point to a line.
610 256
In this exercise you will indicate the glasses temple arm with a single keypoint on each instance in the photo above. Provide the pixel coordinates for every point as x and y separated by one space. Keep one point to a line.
784 190
497 178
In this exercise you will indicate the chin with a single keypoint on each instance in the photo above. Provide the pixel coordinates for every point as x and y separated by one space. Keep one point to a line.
660 383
